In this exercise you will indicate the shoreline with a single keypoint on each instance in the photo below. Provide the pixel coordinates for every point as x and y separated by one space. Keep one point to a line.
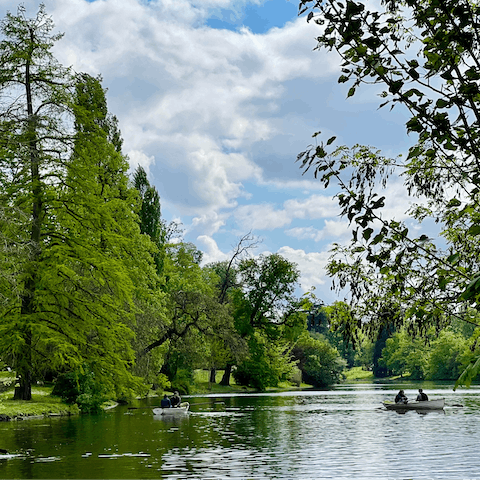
42 405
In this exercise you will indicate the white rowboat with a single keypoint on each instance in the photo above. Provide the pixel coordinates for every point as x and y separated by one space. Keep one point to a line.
181 410
436 404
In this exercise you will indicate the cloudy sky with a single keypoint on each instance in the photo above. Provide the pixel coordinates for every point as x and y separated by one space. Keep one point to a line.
215 99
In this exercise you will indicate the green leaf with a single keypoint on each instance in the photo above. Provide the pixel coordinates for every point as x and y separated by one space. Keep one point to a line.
367 233
474 230
414 125
396 86
320 152
469 374
454 202
454 258
441 103
377 239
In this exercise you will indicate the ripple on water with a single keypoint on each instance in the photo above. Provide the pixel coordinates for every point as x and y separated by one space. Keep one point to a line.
316 435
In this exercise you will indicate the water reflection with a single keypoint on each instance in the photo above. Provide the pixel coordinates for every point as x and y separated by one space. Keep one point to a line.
343 433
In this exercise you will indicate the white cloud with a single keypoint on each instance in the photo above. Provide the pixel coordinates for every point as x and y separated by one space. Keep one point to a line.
314 207
333 230
312 265
191 97
260 217
211 252
209 223
397 201
138 158
267 217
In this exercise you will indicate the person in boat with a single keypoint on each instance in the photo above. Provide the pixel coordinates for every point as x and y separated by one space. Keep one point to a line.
422 396
175 400
401 397
165 402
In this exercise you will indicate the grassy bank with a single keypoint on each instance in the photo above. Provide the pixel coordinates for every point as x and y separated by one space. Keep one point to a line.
42 404
202 385
357 374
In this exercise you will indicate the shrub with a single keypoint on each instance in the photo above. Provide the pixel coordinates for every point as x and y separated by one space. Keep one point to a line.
82 388
267 364
183 380
320 363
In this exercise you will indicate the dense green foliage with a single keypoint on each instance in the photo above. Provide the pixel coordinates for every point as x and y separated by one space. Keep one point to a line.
72 252
319 362
425 55
441 357
83 389
97 292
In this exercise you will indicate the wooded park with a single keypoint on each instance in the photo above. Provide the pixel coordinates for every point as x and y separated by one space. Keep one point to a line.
101 297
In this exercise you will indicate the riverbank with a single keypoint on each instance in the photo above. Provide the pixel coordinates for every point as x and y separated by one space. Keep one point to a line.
202 385
41 405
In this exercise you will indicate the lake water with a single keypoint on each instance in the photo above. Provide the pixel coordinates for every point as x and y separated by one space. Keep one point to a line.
341 433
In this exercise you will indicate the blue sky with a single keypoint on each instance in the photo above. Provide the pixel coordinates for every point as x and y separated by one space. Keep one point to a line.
215 99
259 18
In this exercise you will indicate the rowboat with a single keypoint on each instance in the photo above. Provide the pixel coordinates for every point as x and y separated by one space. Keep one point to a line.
181 410
436 404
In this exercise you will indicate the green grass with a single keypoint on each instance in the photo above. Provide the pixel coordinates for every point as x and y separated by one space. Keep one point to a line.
202 384
357 374
42 403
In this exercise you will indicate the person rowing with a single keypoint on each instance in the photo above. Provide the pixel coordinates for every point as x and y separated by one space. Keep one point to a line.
422 396
401 397
176 400
165 402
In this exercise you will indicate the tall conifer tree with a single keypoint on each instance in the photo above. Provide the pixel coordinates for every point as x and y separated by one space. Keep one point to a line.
72 256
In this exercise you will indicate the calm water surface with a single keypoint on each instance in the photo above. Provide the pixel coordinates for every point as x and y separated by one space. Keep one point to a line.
342 433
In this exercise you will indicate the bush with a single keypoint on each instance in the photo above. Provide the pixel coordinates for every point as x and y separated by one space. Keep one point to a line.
255 374
266 365
183 381
320 363
82 388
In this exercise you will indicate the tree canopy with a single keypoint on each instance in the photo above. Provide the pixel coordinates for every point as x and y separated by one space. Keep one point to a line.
97 293
425 55
72 255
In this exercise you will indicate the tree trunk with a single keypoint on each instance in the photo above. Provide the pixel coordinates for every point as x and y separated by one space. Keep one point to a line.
23 365
24 369
24 390
226 375
213 374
